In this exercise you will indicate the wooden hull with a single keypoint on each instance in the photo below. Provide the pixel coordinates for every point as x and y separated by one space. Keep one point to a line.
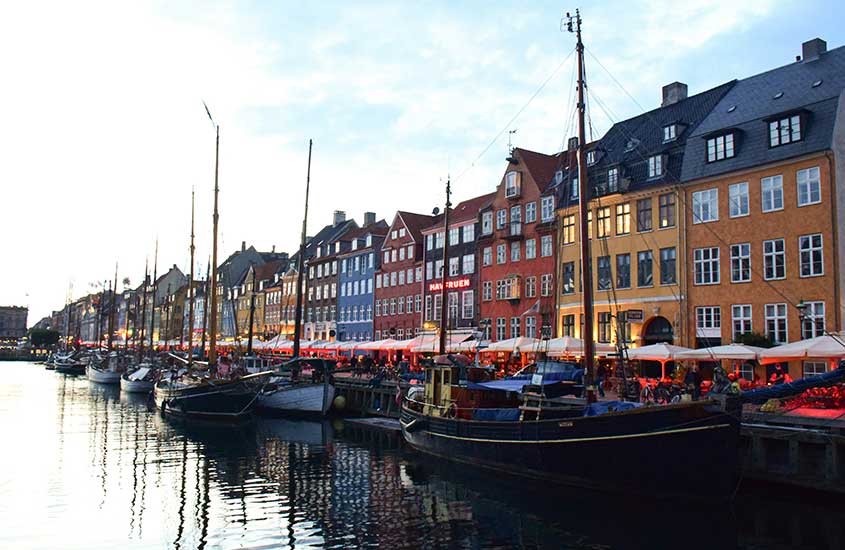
222 401
102 376
136 386
312 399
686 450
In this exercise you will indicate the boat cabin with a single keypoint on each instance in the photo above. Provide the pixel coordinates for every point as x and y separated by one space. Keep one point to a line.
452 389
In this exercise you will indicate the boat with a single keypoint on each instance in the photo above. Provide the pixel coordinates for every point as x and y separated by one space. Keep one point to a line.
185 394
302 386
103 370
69 365
140 380
688 449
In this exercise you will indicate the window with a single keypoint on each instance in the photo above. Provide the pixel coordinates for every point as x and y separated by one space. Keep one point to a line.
708 317
814 368
501 253
515 322
501 327
418 303
501 218
429 270
487 291
720 148
400 282
469 233
428 308
569 229
393 279
771 189
644 215
706 264
604 274
487 256
655 166
486 223
547 209
740 263
613 180
515 251
546 284
812 256
568 278
809 186
401 232
439 239
776 323
512 184
469 264
668 266
454 266
738 199
573 190
531 212
507 289
393 235
785 130
386 258
774 259
670 132
401 254
644 268
418 273
604 327
530 287
438 268
530 327
705 206
666 210
393 255
589 224
410 276
546 246
603 222
623 271
740 320
569 325
454 236
393 306
453 305
467 304
812 320
623 218
530 249
591 158
516 214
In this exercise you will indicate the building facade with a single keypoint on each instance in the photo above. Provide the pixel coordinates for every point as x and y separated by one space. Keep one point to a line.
356 280
12 322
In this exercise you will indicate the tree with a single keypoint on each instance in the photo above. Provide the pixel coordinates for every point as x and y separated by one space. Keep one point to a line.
755 339
42 338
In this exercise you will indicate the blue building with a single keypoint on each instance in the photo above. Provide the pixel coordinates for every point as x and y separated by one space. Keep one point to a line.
356 280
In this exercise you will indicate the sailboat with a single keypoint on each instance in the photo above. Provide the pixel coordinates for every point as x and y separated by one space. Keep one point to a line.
190 392
302 385
687 449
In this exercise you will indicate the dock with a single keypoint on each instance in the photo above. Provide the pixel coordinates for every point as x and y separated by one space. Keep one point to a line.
385 432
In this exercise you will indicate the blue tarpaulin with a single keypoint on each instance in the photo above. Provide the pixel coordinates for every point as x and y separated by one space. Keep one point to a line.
761 395
496 415
504 385
604 407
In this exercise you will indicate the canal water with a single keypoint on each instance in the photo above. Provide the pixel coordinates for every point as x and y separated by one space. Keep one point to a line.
84 466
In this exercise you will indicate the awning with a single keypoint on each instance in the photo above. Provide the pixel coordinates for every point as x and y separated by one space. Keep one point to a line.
739 352
567 346
514 344
656 352
430 343
377 345
821 347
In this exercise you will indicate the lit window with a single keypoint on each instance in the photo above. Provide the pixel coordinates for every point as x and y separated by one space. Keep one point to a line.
613 180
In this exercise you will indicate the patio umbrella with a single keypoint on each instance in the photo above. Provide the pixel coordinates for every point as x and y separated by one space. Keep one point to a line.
821 347
567 345
661 352
377 345
738 352
520 344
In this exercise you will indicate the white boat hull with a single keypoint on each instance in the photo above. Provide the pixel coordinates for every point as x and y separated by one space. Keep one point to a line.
136 386
102 376
306 398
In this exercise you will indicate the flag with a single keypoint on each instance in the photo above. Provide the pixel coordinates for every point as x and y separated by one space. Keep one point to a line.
533 309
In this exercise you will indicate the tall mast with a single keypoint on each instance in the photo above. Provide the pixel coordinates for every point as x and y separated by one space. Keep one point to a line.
113 307
251 313
126 323
444 306
155 291
143 328
205 309
191 293
300 262
583 206
212 349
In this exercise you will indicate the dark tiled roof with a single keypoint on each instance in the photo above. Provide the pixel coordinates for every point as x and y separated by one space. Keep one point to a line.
463 211
416 223
754 101
267 271
541 166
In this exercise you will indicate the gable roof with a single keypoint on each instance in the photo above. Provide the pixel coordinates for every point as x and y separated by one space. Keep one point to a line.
464 211
414 223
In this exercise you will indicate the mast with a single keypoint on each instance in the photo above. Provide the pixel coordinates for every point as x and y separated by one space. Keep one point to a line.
212 349
444 306
126 324
251 313
205 309
113 308
191 293
99 334
300 262
583 206
143 328
155 291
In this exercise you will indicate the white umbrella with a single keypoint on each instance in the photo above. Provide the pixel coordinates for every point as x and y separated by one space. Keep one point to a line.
567 345
738 352
513 344
378 344
661 352
821 347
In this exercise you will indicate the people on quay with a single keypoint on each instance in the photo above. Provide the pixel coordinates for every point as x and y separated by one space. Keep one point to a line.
778 376
692 380
601 375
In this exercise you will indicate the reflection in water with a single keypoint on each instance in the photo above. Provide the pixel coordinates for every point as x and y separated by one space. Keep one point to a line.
92 468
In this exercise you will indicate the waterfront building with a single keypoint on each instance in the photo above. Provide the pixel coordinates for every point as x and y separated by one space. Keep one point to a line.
356 279
634 225
252 285
764 213
280 303
399 279
517 244
12 323
462 285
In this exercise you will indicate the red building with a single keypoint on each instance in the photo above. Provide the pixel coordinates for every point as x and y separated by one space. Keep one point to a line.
517 244
399 281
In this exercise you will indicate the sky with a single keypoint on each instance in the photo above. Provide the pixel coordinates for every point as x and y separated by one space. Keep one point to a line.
103 134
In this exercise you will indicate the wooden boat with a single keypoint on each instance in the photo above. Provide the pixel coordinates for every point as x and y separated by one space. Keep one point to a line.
69 366
208 398
295 390
103 370
140 380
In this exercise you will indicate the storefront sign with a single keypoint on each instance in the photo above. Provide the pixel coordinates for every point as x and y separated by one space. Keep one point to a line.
450 285
634 315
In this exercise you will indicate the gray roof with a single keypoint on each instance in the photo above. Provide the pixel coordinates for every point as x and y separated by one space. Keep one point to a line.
754 101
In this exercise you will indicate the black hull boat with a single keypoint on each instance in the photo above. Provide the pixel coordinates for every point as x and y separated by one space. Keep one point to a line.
686 450
72 367
208 398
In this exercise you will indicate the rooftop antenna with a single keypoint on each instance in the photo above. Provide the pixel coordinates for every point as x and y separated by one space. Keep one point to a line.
510 144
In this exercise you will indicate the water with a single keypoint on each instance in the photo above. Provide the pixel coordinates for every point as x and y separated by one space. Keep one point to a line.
84 466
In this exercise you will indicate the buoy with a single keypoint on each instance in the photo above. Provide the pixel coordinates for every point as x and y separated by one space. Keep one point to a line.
337 425
339 402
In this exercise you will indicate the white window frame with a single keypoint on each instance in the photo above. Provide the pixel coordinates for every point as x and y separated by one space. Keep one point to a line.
512 184
468 266
707 257
655 166
741 263
771 193
813 320
501 218
501 254
705 206
808 182
487 256
720 147
770 257
741 319
775 314
467 304
807 250
546 246
547 209
530 249
469 233
487 223
530 212
738 200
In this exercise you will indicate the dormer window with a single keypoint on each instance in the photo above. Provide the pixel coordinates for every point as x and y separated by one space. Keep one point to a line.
512 184
319 251
613 180
573 194
670 132
591 158
720 147
559 177
655 166
369 240
784 130
354 244
337 246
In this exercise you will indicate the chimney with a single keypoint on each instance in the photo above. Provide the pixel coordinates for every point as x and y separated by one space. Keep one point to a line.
243 246
369 218
673 93
273 250
339 217
813 49
572 144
